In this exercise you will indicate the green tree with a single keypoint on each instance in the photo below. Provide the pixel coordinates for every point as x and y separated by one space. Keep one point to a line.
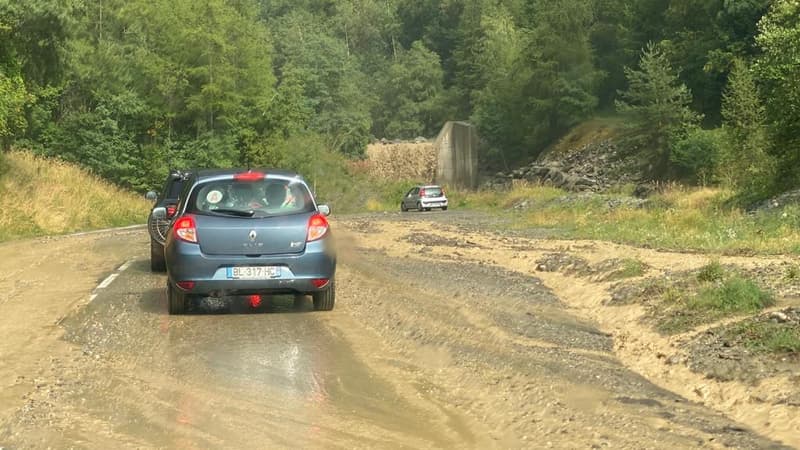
32 39
658 106
337 90
412 91
777 69
539 72
744 162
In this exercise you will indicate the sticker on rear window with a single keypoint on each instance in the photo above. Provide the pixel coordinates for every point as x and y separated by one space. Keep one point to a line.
214 197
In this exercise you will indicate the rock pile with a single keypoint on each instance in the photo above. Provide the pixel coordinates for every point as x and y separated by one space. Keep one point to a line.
782 200
592 168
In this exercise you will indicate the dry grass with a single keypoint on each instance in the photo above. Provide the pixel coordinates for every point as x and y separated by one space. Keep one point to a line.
404 161
594 130
43 197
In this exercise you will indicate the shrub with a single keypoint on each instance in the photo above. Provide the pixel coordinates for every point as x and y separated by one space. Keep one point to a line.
695 156
713 271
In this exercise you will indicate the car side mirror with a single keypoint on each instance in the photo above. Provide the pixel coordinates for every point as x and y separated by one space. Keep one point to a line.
151 195
160 213
324 209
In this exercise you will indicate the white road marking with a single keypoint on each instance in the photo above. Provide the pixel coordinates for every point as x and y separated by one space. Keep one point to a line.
92 297
125 266
107 281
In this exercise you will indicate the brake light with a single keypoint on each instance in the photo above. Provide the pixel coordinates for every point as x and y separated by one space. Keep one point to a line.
171 210
320 282
186 285
317 227
249 176
422 192
185 229
255 300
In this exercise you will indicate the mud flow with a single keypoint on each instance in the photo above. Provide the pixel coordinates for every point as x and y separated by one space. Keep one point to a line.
443 336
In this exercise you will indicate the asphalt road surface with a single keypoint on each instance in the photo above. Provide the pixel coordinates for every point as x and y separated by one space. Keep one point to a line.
419 352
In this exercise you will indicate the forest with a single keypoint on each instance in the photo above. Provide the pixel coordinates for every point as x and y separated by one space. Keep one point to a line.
709 90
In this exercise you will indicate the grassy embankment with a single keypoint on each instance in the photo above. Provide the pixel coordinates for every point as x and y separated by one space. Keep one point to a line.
680 218
47 197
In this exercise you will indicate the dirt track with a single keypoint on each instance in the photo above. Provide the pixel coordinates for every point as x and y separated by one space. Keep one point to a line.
444 336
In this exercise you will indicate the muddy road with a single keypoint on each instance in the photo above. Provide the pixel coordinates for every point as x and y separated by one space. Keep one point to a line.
443 336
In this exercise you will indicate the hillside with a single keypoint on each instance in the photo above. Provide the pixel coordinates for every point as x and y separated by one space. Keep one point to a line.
44 197
585 159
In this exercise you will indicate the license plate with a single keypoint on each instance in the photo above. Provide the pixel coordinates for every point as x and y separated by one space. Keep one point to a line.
253 272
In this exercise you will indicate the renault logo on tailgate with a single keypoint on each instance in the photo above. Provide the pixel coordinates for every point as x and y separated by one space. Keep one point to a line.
253 235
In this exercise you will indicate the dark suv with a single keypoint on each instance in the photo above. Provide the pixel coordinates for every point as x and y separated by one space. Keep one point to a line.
158 227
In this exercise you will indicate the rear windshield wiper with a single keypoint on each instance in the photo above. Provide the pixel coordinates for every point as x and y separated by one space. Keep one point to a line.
232 212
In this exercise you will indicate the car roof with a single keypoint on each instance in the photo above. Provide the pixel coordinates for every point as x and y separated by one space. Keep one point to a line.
216 173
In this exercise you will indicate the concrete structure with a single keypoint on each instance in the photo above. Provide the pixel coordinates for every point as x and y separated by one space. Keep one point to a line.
457 148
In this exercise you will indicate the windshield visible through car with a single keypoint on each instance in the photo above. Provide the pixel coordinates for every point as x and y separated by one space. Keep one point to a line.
247 198
433 192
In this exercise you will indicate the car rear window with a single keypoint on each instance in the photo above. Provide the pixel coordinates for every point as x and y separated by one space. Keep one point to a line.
433 192
259 198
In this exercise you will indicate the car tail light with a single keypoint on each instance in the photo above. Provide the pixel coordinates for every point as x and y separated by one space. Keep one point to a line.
186 285
249 176
320 282
422 192
317 227
185 229
171 210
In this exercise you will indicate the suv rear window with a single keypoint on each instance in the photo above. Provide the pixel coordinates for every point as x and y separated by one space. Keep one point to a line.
260 198
174 188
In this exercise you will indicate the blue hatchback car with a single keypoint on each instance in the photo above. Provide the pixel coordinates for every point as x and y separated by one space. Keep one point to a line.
248 232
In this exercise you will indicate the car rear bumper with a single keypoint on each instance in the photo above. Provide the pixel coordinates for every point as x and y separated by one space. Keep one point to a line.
186 262
434 203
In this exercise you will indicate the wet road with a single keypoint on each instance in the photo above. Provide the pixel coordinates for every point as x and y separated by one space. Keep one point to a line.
225 375
400 363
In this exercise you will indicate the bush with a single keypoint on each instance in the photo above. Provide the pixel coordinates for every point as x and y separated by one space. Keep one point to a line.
712 271
695 156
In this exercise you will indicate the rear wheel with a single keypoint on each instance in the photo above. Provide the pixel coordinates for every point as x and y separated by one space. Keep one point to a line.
324 300
403 207
176 300
419 206
157 263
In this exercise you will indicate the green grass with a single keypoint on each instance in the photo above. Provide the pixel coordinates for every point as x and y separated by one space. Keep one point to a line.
733 295
768 337
685 300
629 268
680 218
714 294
